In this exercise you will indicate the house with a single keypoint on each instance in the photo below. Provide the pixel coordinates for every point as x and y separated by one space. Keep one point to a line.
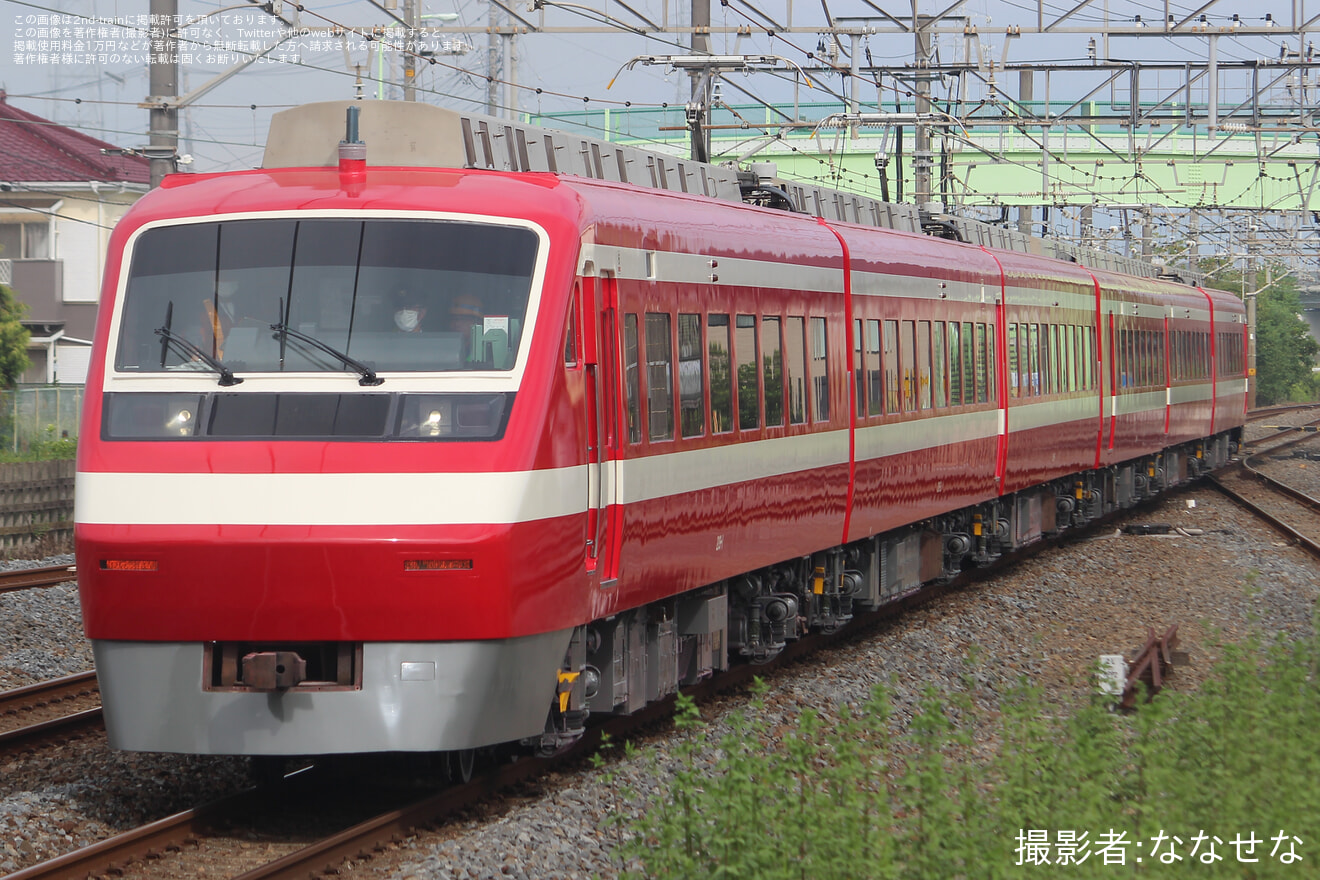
60 195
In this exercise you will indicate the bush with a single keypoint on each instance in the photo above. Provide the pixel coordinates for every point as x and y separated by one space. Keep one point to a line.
1183 785
49 448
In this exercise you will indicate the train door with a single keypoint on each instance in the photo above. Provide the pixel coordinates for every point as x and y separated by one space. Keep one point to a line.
597 317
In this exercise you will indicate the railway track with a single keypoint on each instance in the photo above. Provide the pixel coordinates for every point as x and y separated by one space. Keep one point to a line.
1266 412
1292 512
50 707
31 578
219 837
244 836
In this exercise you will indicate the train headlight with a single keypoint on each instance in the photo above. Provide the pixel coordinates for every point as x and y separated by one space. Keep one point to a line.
150 416
181 423
453 416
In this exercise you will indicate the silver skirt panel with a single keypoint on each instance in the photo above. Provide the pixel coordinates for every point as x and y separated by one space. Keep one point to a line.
415 696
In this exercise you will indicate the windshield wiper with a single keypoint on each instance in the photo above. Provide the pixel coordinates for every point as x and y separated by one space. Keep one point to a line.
369 376
168 337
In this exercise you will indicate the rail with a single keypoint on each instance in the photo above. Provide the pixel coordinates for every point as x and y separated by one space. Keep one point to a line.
31 578
43 699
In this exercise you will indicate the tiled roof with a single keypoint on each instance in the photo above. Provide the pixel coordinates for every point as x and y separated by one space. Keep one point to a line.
36 149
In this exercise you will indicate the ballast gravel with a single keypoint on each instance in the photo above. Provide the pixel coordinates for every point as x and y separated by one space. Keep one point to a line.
1047 619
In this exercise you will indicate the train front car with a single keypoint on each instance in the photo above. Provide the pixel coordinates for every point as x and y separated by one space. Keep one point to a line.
326 500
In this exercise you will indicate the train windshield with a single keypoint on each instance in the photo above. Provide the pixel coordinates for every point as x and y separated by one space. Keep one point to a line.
303 295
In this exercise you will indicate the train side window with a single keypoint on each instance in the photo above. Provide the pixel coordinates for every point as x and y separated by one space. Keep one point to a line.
772 368
1090 356
1058 365
1050 340
907 350
691 377
820 371
1153 352
570 338
923 364
1080 339
1046 361
795 365
955 366
878 381
1043 359
891 367
991 365
1014 369
859 362
721 374
938 373
982 362
659 377
1146 350
1124 359
1138 342
749 399
969 362
1067 371
631 383
1035 353
1161 361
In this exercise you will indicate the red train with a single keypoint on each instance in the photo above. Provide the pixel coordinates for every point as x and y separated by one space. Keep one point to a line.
392 457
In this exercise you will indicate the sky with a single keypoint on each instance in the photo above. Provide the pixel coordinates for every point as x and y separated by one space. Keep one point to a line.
96 82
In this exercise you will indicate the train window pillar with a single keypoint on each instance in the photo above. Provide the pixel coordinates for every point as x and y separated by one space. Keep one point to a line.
820 371
749 399
721 374
659 377
691 377
795 368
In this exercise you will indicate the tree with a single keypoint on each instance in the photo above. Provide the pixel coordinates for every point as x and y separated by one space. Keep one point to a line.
1285 349
13 338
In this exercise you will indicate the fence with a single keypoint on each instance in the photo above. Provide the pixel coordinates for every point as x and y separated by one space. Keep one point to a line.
36 503
33 413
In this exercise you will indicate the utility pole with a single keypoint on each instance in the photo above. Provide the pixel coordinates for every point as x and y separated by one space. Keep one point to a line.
921 155
163 78
410 14
1249 272
494 63
699 107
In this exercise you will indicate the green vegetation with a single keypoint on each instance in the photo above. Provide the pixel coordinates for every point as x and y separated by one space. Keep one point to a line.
49 448
1285 350
1195 776
13 338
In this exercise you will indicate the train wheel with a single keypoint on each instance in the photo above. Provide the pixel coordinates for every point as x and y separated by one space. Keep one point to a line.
461 764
